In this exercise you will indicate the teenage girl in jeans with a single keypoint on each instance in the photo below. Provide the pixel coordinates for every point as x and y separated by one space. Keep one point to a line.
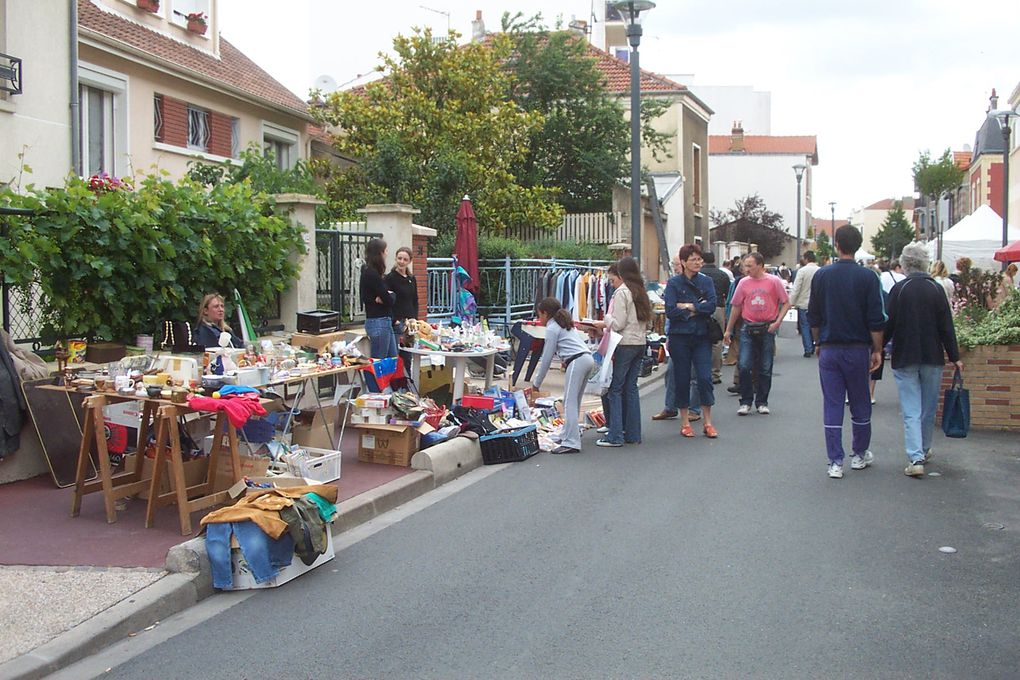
630 315
378 301
562 341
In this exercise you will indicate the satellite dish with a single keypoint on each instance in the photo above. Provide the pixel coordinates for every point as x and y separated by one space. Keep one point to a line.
325 83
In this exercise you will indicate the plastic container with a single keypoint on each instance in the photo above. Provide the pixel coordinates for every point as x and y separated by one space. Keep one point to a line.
509 446
319 465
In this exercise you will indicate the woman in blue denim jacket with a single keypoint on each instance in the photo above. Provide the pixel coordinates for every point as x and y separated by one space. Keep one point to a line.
690 301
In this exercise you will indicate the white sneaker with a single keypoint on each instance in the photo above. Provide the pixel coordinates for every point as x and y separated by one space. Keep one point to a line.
914 470
861 462
836 471
763 410
603 430
744 410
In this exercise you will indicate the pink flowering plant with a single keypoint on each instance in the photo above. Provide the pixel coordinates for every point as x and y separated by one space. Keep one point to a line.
197 17
103 182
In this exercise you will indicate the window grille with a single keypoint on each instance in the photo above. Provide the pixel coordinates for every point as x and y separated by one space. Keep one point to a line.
157 117
198 129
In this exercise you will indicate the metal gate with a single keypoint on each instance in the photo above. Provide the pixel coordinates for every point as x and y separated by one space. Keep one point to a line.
340 256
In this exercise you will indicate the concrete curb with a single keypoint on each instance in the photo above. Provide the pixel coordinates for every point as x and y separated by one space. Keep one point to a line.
190 577
167 596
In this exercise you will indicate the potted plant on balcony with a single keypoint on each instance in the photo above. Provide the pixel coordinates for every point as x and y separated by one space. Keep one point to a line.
197 23
149 5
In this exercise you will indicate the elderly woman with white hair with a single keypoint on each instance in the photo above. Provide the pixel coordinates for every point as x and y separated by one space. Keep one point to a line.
921 329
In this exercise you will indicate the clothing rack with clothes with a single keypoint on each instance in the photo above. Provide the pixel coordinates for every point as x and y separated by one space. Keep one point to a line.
584 291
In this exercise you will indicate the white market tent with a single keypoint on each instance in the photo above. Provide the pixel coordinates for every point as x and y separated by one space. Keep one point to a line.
976 236
863 256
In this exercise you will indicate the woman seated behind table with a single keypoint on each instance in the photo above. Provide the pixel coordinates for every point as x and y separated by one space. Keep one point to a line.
212 315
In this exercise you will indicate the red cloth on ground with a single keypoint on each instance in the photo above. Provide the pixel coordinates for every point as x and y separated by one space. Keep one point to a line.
238 408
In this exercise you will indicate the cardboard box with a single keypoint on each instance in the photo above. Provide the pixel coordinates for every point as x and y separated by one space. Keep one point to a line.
194 472
387 444
250 467
316 342
314 432
244 580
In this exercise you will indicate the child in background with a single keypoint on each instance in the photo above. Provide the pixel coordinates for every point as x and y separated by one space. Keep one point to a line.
561 341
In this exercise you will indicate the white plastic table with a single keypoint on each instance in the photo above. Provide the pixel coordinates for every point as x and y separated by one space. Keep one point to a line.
458 360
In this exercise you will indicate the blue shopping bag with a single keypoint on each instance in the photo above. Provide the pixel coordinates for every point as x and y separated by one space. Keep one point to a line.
956 409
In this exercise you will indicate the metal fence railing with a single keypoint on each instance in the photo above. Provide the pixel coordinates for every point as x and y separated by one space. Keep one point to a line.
507 289
603 228
22 315
339 258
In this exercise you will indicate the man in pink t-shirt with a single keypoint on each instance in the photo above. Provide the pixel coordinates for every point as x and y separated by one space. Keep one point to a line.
760 300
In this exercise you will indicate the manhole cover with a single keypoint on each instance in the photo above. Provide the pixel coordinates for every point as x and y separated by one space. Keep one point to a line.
948 549
994 526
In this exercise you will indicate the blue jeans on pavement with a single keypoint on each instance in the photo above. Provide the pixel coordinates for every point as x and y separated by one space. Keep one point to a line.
919 386
756 352
688 351
670 405
624 417
843 372
380 335
804 327
264 555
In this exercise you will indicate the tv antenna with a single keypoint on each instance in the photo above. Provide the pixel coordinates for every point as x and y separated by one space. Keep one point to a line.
439 11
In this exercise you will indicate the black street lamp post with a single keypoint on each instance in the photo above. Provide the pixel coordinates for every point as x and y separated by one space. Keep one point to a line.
631 11
799 171
1003 117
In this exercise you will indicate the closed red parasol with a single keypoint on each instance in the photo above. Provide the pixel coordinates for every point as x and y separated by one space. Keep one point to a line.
466 246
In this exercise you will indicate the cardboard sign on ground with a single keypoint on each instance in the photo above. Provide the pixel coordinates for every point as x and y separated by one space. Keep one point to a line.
387 444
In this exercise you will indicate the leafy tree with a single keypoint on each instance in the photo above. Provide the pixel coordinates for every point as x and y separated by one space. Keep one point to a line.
823 246
933 178
583 144
894 233
440 125
751 221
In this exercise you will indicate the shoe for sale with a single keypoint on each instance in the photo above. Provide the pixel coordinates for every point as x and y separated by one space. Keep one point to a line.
763 409
606 442
835 471
733 389
665 414
928 455
565 449
914 469
693 416
603 430
862 461
745 409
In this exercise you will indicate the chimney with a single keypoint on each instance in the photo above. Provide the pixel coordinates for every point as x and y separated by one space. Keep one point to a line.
993 101
737 137
477 27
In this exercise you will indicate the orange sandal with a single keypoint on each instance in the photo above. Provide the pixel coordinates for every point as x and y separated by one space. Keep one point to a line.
710 432
687 431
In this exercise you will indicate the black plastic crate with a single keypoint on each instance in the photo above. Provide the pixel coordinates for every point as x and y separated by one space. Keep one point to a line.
509 446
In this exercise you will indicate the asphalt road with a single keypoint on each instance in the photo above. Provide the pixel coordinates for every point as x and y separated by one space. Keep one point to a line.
676 558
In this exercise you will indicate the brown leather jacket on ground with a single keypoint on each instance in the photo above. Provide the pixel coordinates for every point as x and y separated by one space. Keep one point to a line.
263 507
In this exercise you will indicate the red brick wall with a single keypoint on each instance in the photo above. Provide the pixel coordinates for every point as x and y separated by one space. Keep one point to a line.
992 375
420 248
175 122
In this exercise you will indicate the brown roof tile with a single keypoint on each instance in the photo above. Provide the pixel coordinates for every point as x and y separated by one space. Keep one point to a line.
962 159
765 144
887 203
232 68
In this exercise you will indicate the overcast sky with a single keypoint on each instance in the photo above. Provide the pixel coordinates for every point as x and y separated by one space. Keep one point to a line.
876 80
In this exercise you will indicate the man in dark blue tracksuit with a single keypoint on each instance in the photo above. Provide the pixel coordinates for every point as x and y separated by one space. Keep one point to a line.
847 319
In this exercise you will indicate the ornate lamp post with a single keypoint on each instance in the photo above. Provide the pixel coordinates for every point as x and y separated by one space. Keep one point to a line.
832 230
1003 116
631 11
799 171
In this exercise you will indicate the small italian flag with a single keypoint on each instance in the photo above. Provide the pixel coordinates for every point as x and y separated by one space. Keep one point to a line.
243 320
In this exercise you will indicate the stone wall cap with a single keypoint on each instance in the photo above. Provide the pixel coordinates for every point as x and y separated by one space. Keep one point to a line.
388 208
418 230
298 198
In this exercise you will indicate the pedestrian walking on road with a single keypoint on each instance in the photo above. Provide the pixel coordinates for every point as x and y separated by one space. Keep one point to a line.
722 287
847 322
690 300
922 334
631 314
669 408
562 341
761 302
800 298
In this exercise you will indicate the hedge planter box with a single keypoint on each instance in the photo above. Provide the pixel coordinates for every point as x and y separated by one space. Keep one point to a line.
197 26
992 374
149 5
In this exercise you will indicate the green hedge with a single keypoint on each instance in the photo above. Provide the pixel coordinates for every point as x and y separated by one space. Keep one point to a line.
113 261
1001 326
